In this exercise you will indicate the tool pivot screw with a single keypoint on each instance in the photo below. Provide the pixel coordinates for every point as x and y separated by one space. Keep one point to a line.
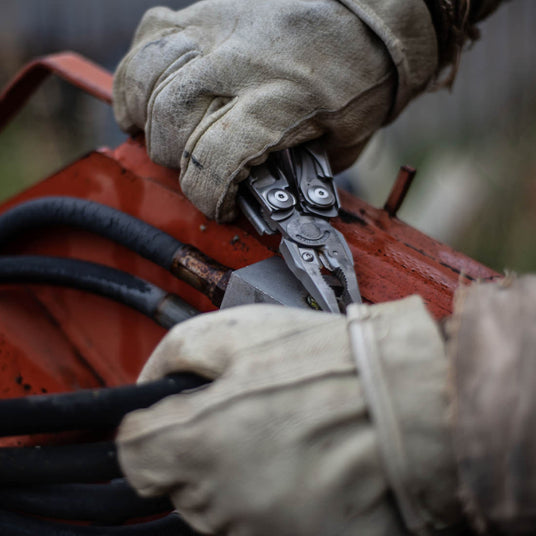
307 257
321 196
280 199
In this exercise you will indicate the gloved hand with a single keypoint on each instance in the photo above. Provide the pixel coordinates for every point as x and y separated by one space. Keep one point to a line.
282 441
218 85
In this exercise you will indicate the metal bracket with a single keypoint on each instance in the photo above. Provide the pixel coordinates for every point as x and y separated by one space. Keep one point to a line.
69 66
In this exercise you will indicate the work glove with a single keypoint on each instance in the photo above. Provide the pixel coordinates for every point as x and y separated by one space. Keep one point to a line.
220 84
290 439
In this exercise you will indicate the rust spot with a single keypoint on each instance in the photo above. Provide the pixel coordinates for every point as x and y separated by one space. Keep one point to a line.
201 272
399 190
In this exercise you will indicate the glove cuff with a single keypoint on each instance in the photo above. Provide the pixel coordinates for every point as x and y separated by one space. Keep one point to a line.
402 366
407 32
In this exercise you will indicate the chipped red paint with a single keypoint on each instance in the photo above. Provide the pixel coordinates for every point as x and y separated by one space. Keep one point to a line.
56 339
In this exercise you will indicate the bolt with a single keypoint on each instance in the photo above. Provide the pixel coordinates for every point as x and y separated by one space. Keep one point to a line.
307 257
280 199
322 193
321 196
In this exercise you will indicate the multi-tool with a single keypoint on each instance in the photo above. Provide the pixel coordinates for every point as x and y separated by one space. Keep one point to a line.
293 193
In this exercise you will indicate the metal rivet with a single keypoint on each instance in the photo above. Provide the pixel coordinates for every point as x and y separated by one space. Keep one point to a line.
307 257
321 196
280 199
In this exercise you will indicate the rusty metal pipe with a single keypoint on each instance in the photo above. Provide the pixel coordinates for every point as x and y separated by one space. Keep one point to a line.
400 190
201 272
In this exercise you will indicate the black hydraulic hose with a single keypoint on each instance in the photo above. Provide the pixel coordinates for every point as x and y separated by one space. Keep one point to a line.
101 504
87 408
59 464
131 232
12 524
164 308
182 260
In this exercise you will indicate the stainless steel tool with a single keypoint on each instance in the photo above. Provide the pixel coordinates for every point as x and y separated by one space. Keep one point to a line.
293 194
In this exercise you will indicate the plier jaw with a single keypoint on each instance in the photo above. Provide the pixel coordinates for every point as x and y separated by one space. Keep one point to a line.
293 193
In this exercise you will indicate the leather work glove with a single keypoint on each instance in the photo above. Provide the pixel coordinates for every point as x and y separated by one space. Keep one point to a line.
283 442
220 84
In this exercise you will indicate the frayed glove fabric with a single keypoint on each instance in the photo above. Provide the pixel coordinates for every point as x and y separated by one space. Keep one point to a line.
493 350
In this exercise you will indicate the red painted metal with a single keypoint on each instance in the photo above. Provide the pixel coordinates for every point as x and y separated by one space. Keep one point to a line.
70 66
59 339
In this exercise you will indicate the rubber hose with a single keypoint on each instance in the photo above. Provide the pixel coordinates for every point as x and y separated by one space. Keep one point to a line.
101 504
87 408
59 464
131 232
152 301
12 524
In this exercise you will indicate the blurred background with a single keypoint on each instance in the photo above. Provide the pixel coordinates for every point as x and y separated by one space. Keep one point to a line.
474 147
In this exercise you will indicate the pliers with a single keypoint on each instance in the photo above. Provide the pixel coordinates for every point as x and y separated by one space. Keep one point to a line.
293 194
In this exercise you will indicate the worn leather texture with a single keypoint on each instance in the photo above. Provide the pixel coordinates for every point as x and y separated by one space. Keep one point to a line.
220 84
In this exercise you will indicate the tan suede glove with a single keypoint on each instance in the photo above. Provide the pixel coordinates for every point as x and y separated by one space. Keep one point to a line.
282 441
218 85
